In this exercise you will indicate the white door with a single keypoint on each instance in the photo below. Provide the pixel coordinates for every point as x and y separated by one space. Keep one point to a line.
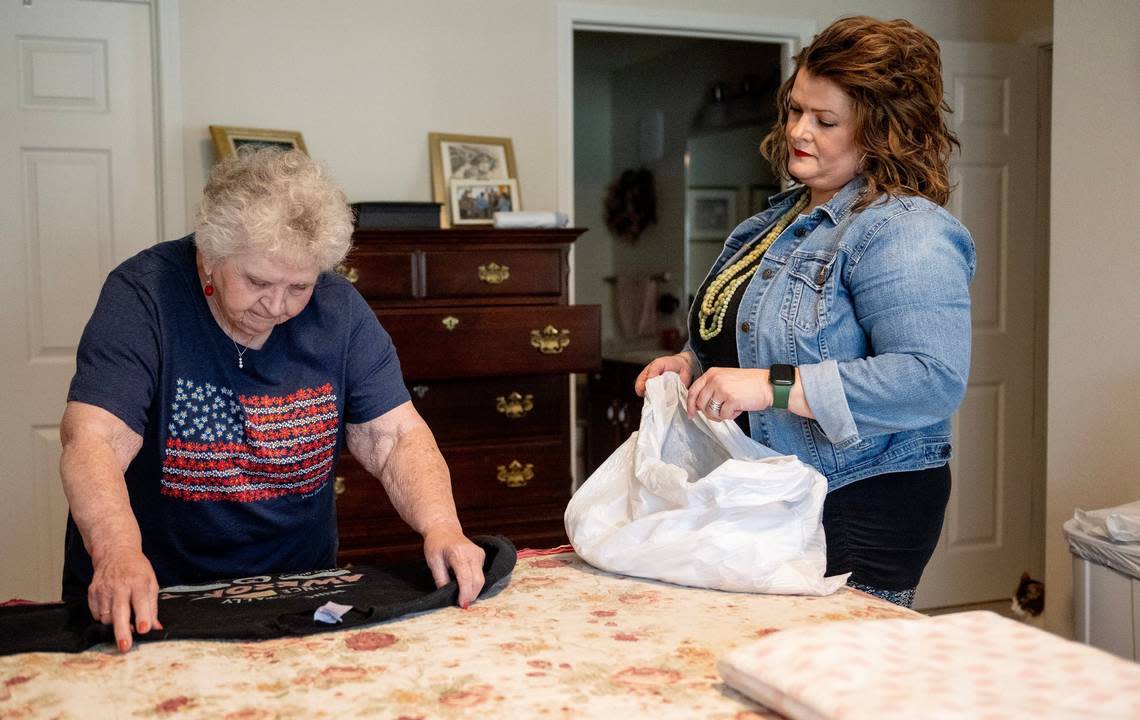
986 541
77 196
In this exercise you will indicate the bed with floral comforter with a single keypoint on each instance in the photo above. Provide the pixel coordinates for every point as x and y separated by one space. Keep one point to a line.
562 640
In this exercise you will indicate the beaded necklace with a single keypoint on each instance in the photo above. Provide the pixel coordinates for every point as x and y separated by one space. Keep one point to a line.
718 295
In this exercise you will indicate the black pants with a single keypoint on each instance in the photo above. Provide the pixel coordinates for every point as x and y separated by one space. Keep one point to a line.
883 529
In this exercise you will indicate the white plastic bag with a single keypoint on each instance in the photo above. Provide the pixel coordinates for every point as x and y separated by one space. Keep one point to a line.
1121 523
699 503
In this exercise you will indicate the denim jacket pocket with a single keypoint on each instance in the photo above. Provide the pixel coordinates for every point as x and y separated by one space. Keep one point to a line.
806 304
827 457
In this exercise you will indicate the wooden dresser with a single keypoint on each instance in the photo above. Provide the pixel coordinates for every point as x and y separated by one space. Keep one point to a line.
613 410
486 339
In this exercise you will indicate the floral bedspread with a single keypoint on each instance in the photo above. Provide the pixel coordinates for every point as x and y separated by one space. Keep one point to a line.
563 640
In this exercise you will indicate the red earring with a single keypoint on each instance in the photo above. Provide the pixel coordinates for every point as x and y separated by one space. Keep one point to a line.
209 289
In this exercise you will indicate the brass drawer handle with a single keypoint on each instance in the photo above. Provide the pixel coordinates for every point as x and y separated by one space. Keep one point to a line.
516 474
450 322
494 273
515 405
339 485
550 340
349 272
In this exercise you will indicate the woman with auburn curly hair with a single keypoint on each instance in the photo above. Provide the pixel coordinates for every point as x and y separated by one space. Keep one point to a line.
216 382
835 325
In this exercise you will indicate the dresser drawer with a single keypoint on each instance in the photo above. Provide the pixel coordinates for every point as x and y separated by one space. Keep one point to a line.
359 494
459 411
491 476
486 273
488 476
509 475
382 274
439 276
466 342
383 542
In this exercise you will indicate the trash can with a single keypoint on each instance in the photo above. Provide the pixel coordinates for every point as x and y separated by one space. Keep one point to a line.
1106 577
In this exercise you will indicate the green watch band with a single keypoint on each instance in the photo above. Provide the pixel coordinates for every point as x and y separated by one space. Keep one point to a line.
782 377
780 395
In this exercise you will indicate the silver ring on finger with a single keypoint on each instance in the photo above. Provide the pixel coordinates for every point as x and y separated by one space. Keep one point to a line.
715 406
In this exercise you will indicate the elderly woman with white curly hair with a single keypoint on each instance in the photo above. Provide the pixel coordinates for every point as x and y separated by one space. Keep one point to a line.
214 385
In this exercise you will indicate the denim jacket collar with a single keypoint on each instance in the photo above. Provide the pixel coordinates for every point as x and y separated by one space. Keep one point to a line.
835 208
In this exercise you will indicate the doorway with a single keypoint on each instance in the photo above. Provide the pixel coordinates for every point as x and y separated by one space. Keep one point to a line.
587 146
787 34
994 525
677 120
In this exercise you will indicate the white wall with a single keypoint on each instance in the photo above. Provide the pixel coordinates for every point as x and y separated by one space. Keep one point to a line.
1094 344
366 80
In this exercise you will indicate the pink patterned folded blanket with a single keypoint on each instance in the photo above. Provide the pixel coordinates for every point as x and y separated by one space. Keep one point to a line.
974 665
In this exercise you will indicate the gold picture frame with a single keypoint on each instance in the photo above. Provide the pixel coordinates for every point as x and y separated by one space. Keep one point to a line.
228 139
468 157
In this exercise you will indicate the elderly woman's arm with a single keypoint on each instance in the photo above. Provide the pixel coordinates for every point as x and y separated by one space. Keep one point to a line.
399 448
97 448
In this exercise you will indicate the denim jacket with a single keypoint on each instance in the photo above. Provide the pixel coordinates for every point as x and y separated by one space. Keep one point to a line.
874 308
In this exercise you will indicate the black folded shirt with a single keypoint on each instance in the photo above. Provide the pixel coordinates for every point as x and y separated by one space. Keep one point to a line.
256 608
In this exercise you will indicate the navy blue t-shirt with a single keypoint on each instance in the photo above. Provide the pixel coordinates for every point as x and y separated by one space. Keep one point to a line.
233 477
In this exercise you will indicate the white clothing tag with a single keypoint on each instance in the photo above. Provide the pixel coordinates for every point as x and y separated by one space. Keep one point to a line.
330 613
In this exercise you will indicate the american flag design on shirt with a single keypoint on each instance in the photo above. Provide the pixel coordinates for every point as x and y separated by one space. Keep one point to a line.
248 447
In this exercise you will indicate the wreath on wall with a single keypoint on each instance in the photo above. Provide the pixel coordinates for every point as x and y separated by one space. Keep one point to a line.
631 204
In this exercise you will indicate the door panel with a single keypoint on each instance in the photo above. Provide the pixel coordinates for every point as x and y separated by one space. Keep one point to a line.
986 539
77 196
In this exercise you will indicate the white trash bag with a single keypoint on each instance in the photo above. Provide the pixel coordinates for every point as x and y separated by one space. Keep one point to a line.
699 503
1120 524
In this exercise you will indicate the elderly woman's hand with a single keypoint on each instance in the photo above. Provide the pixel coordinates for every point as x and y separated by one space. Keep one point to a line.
123 582
448 547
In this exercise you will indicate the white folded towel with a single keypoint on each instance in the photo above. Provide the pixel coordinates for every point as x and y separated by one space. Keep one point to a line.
524 219
963 666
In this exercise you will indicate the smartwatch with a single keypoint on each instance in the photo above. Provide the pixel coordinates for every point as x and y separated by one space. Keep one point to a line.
782 377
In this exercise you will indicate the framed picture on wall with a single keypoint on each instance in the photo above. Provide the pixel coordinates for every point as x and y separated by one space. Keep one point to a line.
228 140
710 212
468 157
475 202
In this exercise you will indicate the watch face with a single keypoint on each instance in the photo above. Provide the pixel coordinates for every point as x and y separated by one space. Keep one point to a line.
782 375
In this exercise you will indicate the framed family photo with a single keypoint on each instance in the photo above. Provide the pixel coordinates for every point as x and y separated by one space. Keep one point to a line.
468 157
710 212
228 140
475 202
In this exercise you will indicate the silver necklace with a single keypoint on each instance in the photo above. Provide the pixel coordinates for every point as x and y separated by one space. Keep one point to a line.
240 352
240 349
